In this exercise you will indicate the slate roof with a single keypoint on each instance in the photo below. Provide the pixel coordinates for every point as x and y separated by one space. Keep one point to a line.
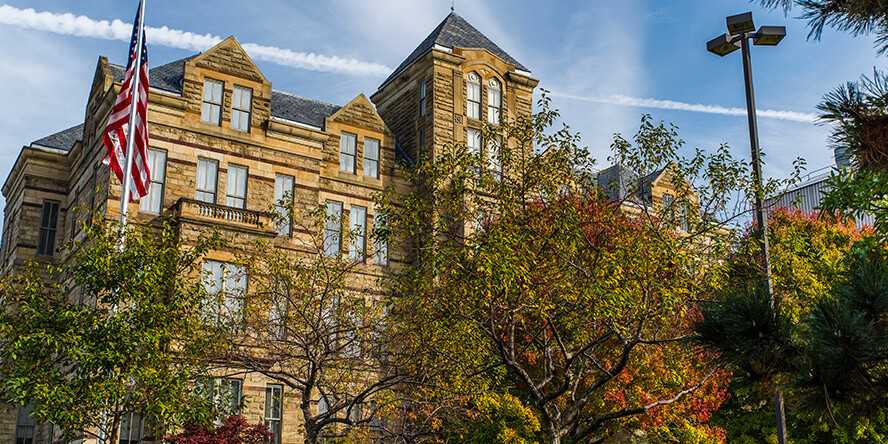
62 140
453 32
618 182
287 106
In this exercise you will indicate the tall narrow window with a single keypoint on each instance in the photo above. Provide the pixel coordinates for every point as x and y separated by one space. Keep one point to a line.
333 229
358 231
24 426
274 406
494 162
241 108
226 285
153 202
132 428
236 194
380 241
473 96
278 311
347 144
423 96
48 222
283 200
421 139
224 393
371 158
494 101
211 109
473 141
207 170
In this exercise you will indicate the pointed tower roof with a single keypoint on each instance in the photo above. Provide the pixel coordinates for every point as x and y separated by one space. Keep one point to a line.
454 32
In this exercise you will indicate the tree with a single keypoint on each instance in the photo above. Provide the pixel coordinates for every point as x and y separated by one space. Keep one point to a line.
524 277
234 430
859 17
312 327
809 257
113 330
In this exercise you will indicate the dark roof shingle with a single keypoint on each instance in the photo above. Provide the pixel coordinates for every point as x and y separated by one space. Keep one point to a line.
287 106
62 140
453 32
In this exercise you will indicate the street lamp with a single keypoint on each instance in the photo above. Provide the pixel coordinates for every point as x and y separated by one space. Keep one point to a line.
741 29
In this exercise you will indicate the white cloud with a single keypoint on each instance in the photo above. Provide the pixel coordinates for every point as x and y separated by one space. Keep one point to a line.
83 26
637 102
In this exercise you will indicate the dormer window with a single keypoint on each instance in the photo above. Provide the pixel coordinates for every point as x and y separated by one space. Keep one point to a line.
241 108
423 95
211 109
494 101
473 96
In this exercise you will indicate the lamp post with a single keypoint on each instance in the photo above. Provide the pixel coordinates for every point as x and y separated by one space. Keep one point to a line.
741 29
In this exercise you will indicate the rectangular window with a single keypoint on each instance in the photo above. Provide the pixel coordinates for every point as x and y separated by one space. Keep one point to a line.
423 96
274 407
207 171
277 313
494 102
283 200
494 163
333 229
371 158
132 428
347 144
380 247
48 222
226 285
211 109
224 393
236 194
473 141
358 233
153 202
241 108
473 97
24 426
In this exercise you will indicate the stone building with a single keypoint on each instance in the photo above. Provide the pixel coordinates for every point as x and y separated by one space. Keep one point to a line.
225 146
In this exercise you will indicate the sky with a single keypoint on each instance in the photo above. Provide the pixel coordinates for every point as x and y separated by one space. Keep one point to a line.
606 63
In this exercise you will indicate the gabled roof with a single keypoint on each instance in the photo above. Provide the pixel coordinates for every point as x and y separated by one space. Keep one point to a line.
63 140
454 32
286 106
619 182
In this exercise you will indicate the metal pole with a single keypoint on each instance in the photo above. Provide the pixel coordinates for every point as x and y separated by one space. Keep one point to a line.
760 218
131 125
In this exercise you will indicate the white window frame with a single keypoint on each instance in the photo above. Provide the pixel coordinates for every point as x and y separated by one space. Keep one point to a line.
371 162
494 160
153 202
348 143
473 96
380 244
241 108
211 104
473 141
274 411
206 191
231 281
332 243
357 229
494 101
283 190
25 426
236 186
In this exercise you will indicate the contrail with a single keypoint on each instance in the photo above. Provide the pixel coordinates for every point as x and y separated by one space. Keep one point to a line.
637 102
83 26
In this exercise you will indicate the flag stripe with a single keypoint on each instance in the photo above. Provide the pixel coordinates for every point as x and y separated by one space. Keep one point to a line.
115 136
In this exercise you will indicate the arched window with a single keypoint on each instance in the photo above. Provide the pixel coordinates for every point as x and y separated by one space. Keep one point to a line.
494 101
473 96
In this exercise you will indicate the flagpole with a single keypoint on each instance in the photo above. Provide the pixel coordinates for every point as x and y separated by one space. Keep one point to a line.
131 125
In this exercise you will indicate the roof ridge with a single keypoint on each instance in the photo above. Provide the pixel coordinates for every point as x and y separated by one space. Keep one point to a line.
303 97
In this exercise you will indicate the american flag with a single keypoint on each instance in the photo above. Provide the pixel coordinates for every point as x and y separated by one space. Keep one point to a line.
115 136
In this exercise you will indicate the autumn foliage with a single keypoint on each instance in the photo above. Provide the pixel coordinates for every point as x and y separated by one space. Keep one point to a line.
234 430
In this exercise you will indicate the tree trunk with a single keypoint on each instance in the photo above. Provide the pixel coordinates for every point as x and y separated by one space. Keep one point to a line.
780 416
114 434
